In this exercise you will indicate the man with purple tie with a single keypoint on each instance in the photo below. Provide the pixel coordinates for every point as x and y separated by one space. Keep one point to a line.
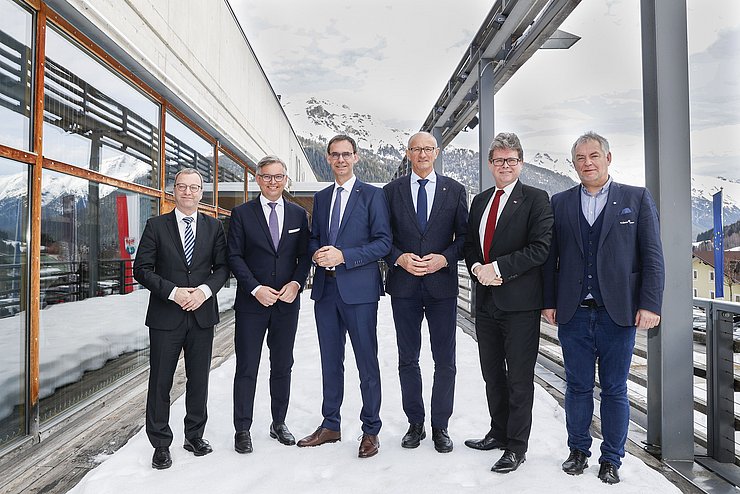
268 254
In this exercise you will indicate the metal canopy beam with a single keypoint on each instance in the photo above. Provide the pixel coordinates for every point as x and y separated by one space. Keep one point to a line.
510 35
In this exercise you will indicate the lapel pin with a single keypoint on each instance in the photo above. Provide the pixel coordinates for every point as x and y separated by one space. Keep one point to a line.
615 202
444 188
514 202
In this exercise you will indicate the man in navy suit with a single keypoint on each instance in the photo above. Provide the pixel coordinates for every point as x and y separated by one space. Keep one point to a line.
181 260
429 215
268 254
604 277
350 233
507 242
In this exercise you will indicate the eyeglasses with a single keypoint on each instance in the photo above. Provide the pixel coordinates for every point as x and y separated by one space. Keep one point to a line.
426 149
499 162
346 155
193 188
269 178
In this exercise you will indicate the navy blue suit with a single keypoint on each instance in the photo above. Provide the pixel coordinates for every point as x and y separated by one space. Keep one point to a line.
347 302
255 261
433 295
629 276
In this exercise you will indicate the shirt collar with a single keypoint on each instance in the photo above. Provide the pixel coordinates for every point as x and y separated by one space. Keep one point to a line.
604 189
507 190
348 185
265 201
179 215
432 177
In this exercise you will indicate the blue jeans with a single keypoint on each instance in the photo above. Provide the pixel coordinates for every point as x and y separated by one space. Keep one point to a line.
592 336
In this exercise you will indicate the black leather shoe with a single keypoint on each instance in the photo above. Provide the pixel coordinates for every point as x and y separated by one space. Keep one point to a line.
198 446
282 434
509 462
442 441
485 444
576 463
413 436
161 458
243 442
609 473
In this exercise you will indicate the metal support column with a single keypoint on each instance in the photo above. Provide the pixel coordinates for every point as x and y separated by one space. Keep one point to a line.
668 177
439 163
720 386
485 119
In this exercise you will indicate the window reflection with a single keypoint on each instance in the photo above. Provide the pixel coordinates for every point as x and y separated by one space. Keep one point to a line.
13 299
230 182
94 119
89 236
16 63
186 149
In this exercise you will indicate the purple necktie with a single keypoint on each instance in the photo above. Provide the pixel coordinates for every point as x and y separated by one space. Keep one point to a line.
273 224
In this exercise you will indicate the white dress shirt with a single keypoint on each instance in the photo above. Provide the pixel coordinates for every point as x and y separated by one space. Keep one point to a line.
484 219
280 211
347 189
430 187
181 225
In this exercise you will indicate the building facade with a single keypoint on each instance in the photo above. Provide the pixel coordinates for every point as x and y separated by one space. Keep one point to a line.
101 104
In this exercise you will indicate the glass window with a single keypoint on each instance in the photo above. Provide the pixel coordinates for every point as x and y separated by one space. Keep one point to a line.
186 149
94 119
89 235
230 182
16 74
253 189
13 299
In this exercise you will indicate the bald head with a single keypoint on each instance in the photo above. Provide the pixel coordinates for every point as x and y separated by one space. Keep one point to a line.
422 152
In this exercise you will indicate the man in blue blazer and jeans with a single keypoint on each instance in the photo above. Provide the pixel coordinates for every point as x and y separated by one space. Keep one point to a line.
429 216
350 233
268 254
604 278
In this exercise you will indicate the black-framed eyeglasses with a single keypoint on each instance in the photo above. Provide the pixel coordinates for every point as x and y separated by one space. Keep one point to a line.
346 155
426 149
193 188
512 162
279 177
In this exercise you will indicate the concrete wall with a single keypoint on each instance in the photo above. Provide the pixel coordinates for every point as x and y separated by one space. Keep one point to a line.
194 51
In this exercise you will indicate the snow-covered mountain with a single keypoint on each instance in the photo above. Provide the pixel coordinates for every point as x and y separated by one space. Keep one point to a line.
317 120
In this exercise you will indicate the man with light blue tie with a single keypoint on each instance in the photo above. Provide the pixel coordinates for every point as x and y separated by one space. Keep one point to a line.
429 216
350 233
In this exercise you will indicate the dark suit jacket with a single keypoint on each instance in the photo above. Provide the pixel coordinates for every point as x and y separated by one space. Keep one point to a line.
364 238
160 266
445 234
520 245
629 260
254 260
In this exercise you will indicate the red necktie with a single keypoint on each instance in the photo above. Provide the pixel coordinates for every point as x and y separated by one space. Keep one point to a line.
491 225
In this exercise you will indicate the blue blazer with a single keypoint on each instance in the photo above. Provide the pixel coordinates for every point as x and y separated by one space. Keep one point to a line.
629 261
445 234
254 260
364 238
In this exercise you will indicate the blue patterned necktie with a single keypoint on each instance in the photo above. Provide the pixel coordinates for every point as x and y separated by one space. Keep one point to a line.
421 204
273 224
335 212
189 239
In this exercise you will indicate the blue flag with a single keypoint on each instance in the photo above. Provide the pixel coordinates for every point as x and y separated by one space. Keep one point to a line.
719 246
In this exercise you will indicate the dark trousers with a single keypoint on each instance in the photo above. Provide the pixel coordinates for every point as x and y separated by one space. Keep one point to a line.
589 337
249 336
441 317
164 351
508 343
334 319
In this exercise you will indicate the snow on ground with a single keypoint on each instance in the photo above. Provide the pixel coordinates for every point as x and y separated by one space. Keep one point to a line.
274 468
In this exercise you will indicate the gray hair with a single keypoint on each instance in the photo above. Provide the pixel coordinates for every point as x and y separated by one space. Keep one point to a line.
189 171
506 140
590 136
270 159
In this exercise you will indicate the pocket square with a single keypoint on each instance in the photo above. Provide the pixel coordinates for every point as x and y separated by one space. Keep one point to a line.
625 211
294 230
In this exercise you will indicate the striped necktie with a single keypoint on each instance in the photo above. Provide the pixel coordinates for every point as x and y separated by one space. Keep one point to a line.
189 239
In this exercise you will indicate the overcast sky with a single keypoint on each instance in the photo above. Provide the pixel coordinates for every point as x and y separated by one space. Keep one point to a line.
392 59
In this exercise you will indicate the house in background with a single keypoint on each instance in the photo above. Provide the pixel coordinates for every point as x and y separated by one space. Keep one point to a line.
702 267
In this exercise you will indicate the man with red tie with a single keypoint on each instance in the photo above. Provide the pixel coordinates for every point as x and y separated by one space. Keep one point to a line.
508 239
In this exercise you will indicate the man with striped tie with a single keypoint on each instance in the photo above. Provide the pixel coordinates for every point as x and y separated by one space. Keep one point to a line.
181 260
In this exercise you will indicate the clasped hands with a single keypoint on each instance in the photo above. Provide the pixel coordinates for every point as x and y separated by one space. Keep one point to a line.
487 276
328 257
420 266
189 298
267 296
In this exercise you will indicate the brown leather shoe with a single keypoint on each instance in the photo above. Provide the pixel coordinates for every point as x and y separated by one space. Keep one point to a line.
368 446
320 436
